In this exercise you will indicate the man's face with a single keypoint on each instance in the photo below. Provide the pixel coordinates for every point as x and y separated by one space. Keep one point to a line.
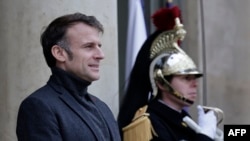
186 85
85 45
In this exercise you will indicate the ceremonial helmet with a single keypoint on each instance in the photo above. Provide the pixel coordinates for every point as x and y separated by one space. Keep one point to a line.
169 59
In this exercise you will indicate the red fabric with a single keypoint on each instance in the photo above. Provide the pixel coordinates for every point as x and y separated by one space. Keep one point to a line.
164 18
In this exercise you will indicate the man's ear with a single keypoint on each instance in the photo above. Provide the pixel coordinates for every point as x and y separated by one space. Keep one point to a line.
59 53
159 85
162 86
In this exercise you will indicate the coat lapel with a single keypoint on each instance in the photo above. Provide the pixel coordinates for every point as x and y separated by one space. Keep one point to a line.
108 118
70 101
75 105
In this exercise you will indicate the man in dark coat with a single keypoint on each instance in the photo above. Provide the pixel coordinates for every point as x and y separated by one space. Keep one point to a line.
63 110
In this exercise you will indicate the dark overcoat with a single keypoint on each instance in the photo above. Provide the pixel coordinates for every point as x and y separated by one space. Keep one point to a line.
53 114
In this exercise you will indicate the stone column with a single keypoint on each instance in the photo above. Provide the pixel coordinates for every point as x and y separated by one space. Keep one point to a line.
23 67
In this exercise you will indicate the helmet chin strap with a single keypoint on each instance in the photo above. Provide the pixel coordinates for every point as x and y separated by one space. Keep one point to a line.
172 90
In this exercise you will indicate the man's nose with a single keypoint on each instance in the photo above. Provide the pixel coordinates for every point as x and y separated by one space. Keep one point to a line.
99 54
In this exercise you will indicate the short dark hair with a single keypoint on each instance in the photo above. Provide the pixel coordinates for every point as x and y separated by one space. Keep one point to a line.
54 34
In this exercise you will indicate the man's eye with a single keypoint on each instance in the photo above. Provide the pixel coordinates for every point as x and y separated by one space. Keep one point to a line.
88 46
188 77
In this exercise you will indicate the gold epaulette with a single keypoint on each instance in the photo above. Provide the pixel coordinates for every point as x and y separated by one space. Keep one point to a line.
140 129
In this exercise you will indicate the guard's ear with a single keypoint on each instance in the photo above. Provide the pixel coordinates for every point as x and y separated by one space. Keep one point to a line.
160 85
164 85
59 53
160 81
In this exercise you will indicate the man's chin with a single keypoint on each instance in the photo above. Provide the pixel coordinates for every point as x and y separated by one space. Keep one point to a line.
192 98
96 77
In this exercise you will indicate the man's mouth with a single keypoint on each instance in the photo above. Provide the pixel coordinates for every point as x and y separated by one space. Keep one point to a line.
94 67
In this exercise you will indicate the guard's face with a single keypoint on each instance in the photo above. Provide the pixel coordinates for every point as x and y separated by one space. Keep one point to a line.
85 45
186 85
